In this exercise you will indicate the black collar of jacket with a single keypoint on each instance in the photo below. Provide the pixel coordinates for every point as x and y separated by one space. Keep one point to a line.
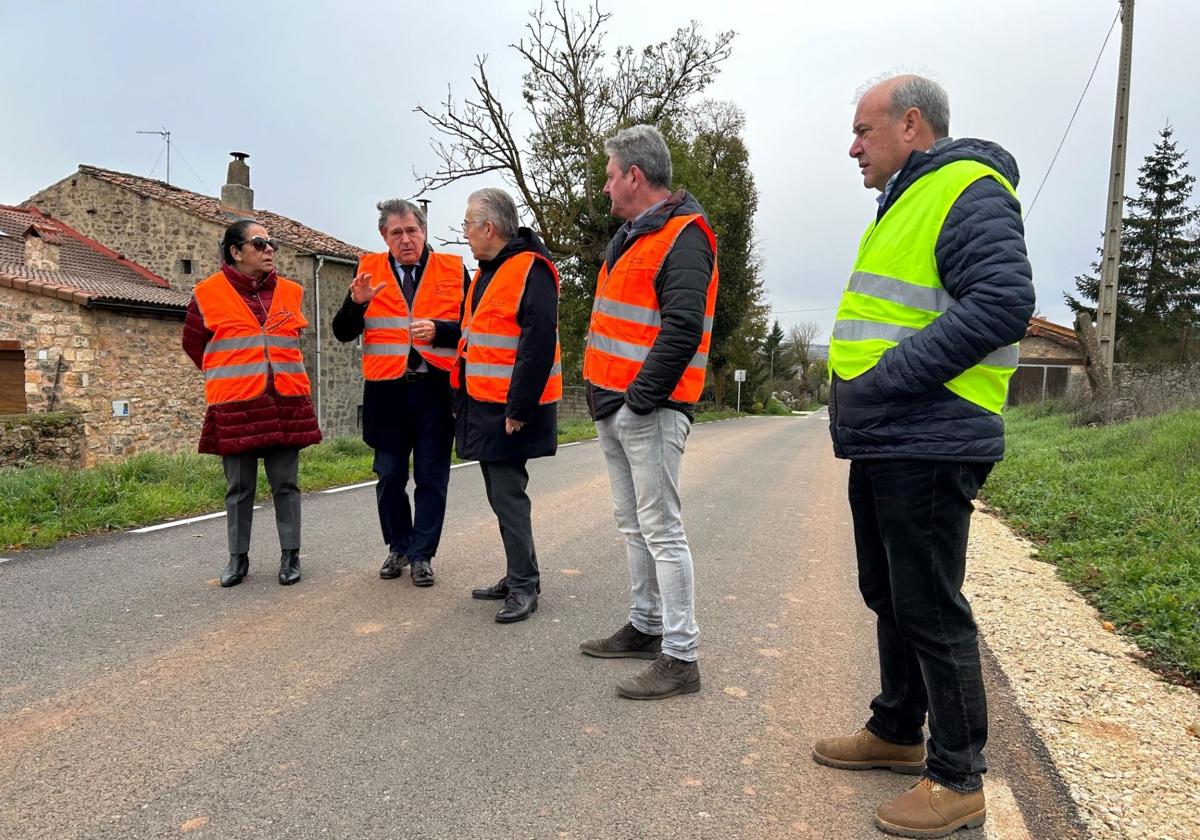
680 202
421 260
920 164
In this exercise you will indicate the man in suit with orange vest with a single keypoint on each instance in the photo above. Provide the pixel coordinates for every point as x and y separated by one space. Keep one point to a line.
647 349
406 304
508 377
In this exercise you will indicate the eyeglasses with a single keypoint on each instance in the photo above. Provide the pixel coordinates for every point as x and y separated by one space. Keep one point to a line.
468 222
260 244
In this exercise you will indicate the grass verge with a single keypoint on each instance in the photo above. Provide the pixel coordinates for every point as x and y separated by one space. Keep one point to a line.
40 506
1117 509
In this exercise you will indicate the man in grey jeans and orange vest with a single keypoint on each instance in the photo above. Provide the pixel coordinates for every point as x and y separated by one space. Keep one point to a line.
647 349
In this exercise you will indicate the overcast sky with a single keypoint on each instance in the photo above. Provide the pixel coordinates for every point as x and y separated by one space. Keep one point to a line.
321 95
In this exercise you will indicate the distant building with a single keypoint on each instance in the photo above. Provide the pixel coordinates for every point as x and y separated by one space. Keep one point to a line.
175 232
1050 364
85 330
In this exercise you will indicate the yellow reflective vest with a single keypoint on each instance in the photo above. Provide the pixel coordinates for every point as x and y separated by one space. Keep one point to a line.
895 291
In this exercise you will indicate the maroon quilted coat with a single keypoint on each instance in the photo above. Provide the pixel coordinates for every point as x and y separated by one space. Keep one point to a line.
264 421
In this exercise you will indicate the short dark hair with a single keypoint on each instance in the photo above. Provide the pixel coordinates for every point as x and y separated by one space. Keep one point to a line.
234 236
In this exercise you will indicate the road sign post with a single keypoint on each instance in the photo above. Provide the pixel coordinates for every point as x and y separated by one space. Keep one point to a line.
739 376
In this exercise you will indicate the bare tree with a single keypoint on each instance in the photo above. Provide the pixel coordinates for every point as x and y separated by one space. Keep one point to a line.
576 97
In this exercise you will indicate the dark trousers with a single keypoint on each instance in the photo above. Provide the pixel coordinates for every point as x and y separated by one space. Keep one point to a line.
505 483
910 528
422 431
282 465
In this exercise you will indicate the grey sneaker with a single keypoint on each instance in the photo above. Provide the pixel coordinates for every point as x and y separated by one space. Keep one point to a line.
665 677
627 643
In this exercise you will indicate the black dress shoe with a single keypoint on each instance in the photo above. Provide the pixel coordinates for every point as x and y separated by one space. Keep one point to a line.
393 566
517 607
289 566
422 574
239 565
498 591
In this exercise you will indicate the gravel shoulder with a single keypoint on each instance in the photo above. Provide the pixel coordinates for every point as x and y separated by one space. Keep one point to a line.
1124 741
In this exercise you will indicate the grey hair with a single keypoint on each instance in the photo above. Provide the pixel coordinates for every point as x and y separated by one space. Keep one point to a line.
642 146
928 97
399 207
496 206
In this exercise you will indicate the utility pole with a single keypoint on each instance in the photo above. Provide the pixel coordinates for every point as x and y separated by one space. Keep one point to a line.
1110 265
166 135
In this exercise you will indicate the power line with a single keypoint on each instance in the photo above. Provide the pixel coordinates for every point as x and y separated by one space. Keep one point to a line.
1071 122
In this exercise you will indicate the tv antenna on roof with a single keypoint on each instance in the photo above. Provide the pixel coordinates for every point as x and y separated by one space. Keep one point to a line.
165 135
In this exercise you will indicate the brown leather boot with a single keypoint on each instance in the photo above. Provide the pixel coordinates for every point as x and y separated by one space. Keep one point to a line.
864 751
626 643
930 810
665 677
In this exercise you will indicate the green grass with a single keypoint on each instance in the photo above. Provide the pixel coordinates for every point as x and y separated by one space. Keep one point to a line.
1117 509
40 506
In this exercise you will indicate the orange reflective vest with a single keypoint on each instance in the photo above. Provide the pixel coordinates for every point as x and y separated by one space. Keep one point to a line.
241 351
386 336
626 318
490 334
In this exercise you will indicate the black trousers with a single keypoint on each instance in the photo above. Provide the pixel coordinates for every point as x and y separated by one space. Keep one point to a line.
505 483
282 465
422 429
911 520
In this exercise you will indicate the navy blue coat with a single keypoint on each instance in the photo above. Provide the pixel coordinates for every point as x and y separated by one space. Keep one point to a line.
901 407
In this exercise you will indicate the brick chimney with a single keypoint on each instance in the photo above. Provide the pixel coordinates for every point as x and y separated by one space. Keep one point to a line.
237 193
42 245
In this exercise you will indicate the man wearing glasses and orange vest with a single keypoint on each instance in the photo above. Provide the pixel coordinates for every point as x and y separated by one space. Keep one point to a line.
647 349
508 380
406 303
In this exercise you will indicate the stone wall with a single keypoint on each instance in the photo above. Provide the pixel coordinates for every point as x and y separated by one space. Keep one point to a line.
574 403
82 359
1154 387
160 237
54 439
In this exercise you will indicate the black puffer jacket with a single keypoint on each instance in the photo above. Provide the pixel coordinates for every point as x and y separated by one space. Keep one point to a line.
900 408
682 290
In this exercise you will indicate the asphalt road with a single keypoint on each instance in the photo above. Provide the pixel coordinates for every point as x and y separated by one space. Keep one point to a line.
140 700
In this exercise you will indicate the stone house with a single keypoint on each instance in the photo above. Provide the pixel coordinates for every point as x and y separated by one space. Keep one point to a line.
175 232
90 365
1050 364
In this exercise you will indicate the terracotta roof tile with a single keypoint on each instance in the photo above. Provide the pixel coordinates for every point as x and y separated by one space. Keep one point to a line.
282 228
87 270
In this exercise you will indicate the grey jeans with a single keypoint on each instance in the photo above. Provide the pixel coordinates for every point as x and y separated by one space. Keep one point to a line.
241 477
644 454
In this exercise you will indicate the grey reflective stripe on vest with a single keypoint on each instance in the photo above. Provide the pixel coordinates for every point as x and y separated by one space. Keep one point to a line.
497 371
897 291
234 371
385 349
444 352
708 321
380 323
288 367
700 360
240 343
615 347
852 330
283 341
1005 357
506 342
629 312
556 369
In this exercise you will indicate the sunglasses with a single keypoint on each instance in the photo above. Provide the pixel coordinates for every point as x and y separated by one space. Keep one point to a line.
260 244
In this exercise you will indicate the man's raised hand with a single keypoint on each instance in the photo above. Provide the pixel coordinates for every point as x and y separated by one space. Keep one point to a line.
361 290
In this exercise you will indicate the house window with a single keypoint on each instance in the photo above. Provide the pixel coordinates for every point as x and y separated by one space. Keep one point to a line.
12 378
185 266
